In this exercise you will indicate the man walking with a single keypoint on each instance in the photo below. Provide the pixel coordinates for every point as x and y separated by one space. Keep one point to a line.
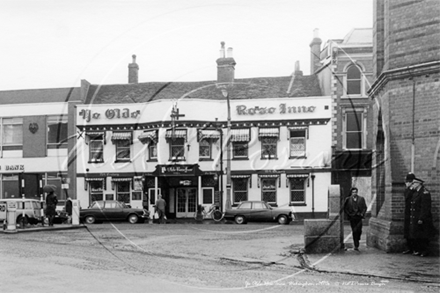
160 209
407 213
355 208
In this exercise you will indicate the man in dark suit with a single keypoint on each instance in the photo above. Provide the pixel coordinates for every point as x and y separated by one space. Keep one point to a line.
355 208
407 213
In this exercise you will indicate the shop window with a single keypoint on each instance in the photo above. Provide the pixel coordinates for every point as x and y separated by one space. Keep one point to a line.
177 149
96 190
269 147
240 189
297 191
137 189
12 132
152 151
205 148
123 191
10 186
298 143
354 130
240 150
96 149
56 130
269 190
354 79
208 195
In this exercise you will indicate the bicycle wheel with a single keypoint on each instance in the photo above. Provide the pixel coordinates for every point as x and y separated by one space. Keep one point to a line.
217 216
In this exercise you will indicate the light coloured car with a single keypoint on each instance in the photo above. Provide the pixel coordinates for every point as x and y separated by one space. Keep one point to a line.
257 211
27 207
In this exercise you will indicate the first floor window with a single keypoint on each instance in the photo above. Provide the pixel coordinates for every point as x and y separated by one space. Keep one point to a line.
56 129
269 190
240 150
152 151
177 148
269 147
96 150
123 191
354 129
298 143
205 148
354 80
12 131
123 150
240 191
297 190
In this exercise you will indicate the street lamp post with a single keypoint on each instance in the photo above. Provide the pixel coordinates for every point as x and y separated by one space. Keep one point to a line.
228 151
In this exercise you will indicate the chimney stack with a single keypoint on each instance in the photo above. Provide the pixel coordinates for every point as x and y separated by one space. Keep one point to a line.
133 70
315 51
297 70
225 65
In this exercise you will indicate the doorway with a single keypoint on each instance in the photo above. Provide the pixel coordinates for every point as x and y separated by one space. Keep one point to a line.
186 202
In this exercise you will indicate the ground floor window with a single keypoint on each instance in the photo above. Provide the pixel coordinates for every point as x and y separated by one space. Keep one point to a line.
123 191
208 195
297 190
96 190
240 189
10 186
269 190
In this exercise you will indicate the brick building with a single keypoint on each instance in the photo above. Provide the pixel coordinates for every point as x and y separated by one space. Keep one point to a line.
406 111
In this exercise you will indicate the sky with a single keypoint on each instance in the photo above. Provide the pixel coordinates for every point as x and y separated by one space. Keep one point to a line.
57 43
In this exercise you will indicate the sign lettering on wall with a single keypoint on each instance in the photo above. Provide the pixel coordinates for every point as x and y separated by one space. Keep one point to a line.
109 114
12 168
282 109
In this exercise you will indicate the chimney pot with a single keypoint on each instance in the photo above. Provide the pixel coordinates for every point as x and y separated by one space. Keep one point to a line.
229 53
225 65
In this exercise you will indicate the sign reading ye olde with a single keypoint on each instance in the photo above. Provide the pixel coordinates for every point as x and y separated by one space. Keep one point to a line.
117 113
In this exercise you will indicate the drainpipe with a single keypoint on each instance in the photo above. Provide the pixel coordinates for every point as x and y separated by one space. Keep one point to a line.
413 125
313 196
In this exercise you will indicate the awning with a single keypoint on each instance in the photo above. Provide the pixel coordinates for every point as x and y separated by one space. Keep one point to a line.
240 176
238 135
94 179
298 176
268 175
117 179
208 134
269 132
95 133
121 136
148 136
178 133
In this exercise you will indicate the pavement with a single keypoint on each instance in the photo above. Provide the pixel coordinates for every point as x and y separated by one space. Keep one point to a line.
368 261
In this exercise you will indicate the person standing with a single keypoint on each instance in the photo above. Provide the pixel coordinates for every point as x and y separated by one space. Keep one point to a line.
407 212
355 208
69 210
420 223
51 204
160 208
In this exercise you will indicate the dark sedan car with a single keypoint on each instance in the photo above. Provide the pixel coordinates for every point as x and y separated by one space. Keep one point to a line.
258 211
111 210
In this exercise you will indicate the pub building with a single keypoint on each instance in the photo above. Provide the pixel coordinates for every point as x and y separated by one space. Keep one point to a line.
139 147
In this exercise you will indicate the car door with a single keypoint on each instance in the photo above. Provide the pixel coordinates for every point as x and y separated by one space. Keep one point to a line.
260 212
113 210
244 209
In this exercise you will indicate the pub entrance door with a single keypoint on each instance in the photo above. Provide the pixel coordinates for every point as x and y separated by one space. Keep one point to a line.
186 202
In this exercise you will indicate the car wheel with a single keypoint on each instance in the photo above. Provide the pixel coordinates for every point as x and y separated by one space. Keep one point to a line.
239 220
21 222
90 220
133 219
282 220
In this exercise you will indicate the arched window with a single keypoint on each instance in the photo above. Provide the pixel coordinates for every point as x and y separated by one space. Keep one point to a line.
353 80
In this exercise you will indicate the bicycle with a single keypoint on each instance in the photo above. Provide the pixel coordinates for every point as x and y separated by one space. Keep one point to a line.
213 212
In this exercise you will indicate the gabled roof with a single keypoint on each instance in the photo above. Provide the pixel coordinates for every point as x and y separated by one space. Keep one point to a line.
56 95
248 88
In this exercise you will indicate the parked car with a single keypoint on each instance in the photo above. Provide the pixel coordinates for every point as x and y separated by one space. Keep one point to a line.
31 209
112 210
258 211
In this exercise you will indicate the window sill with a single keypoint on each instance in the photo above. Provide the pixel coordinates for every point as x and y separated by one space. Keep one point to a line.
241 159
95 162
269 158
298 157
206 159
122 161
297 204
177 159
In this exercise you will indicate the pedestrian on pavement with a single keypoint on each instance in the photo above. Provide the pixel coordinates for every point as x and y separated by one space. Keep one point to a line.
160 208
69 210
355 208
407 213
51 203
420 224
